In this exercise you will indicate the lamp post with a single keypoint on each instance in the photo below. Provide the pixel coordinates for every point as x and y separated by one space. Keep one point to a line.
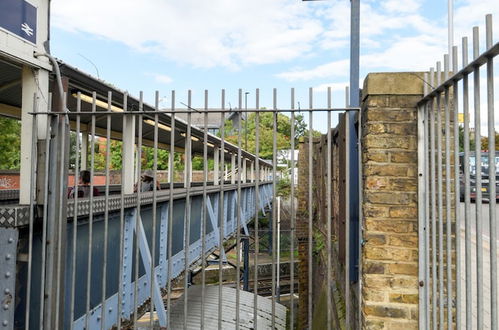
353 228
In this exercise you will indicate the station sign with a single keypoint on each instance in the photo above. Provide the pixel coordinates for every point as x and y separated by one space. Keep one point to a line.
18 17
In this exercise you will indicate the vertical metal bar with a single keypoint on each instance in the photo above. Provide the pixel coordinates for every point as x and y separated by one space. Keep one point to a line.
310 206
492 178
466 175
106 212
360 216
426 304
170 210
478 182
187 220
122 221
257 208
278 247
450 27
354 52
433 207
45 214
75 215
154 211
448 197
62 220
439 194
422 245
138 208
238 215
347 223
31 208
204 209
457 194
293 217
246 263
328 219
274 214
91 212
222 208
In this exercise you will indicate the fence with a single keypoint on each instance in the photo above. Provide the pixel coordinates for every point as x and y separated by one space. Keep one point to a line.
105 256
458 287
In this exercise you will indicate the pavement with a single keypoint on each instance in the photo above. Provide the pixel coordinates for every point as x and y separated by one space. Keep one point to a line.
486 264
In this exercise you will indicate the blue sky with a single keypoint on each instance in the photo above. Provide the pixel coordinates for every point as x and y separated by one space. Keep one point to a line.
194 44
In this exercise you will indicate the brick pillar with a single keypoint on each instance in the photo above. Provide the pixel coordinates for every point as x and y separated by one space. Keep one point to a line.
389 167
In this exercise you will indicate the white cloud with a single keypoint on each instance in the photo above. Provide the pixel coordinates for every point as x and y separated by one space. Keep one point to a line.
401 6
161 78
335 87
199 33
333 69
395 36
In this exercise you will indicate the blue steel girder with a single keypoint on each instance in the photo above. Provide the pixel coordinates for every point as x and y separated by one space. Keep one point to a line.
212 241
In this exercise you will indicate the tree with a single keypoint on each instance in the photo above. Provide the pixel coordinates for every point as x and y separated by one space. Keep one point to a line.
266 132
10 144
484 141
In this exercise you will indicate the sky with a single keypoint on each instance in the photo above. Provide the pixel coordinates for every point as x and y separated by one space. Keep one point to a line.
179 45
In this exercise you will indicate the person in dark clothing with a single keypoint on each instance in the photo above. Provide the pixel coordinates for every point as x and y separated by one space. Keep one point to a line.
83 186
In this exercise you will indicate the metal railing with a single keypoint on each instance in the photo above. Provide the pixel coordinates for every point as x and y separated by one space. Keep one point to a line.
104 260
458 288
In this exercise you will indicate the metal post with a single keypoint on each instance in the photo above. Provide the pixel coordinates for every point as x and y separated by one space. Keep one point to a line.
243 176
246 263
216 165
57 210
128 156
492 177
252 171
478 183
246 120
450 28
354 52
278 263
84 149
233 168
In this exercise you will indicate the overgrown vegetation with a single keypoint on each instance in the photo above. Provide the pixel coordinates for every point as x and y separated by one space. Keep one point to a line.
10 144
266 132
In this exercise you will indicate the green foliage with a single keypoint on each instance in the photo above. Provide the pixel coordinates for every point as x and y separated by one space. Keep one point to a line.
284 187
484 142
319 242
266 132
10 144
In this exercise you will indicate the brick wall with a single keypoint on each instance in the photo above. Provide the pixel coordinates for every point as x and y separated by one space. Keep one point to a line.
319 229
389 167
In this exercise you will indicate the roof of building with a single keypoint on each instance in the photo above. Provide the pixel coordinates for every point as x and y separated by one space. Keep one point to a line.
211 302
79 81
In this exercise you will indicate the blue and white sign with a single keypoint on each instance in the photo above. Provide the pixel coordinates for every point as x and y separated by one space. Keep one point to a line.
19 17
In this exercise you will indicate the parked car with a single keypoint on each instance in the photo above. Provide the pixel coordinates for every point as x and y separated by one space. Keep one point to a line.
484 168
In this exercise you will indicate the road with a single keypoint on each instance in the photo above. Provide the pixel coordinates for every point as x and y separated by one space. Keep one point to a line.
484 208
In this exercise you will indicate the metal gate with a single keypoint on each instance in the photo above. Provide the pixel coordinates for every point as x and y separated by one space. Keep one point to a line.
458 172
134 205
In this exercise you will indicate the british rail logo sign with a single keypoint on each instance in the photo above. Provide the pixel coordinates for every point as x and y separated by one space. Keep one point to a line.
18 17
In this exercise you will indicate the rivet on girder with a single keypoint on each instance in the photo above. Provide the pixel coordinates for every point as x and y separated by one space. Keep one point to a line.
7 274
5 323
10 240
8 256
